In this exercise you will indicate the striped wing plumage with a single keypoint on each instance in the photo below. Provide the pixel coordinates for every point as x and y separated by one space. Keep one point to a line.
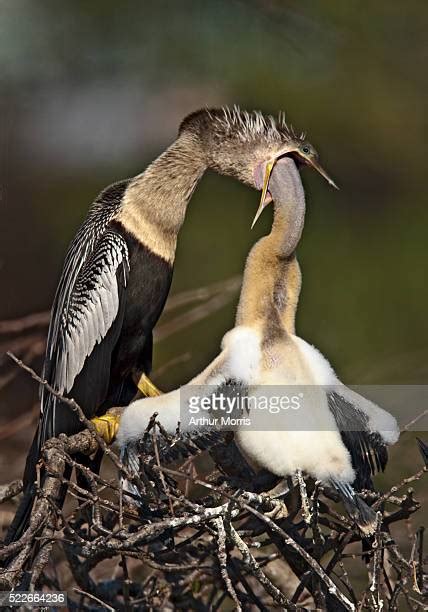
92 307
88 302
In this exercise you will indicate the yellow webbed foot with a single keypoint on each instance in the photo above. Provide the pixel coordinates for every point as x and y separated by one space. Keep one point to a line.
107 426
146 387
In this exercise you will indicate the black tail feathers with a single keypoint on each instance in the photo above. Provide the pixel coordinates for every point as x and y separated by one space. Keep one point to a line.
364 516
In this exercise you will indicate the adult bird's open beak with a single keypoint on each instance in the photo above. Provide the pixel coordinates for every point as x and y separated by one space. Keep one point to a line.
321 170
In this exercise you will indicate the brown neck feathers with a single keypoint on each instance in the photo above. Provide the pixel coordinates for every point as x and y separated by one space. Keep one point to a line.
154 204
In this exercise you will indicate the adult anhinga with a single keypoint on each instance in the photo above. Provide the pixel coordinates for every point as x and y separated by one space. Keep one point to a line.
118 269
336 436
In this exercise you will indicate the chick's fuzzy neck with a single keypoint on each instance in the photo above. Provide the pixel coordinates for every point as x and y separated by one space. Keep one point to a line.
272 278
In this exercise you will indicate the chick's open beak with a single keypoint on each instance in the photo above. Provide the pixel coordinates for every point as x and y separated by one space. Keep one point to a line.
263 200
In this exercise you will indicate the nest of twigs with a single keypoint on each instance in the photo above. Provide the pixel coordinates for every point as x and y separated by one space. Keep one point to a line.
203 533
172 538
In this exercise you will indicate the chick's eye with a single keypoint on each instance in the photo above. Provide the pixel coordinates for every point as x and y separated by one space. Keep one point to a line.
306 150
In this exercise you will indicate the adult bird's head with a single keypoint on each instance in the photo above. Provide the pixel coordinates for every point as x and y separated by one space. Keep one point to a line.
246 145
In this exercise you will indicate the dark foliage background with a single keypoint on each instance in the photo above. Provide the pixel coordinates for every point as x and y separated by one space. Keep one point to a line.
91 92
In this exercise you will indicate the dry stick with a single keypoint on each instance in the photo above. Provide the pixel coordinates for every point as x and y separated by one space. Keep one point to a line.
42 557
345 580
318 540
182 476
172 567
240 577
8 491
222 559
413 563
415 420
419 605
149 532
10 576
339 549
387 567
122 563
318 537
162 477
87 496
289 541
396 593
51 491
251 562
41 512
392 547
400 485
337 555
93 598
377 556
93 499
105 484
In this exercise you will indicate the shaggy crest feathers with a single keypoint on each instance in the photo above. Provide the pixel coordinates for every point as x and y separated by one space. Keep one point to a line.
245 125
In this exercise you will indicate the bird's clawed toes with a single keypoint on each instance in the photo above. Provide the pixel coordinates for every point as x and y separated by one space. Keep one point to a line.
107 425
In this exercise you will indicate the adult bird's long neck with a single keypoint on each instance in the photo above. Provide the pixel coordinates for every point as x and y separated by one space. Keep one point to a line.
154 204
272 278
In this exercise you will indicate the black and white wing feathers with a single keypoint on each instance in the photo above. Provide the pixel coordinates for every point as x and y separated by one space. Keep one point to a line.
92 307
88 307
94 304
367 448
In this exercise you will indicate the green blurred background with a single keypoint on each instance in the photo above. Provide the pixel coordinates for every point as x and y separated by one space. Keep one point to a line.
92 91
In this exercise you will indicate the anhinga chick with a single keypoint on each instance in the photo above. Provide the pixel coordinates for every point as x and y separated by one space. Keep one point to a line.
118 271
336 436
